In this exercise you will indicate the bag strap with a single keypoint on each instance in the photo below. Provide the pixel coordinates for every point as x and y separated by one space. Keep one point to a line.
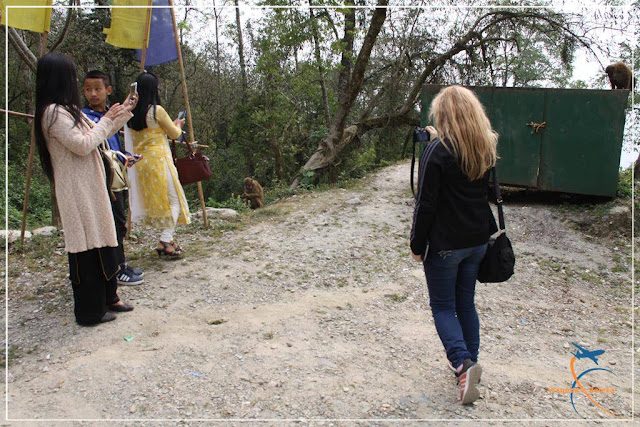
173 149
496 190
173 146
104 145
413 161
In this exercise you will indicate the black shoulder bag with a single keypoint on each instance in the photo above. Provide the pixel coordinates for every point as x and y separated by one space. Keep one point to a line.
499 260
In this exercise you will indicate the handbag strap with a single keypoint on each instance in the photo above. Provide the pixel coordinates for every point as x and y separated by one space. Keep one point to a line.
173 146
496 190
104 145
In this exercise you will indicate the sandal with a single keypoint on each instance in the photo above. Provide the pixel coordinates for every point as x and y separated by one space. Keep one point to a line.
176 246
168 249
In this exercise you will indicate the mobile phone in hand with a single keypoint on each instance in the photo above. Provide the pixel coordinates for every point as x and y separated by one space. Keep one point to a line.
182 114
133 89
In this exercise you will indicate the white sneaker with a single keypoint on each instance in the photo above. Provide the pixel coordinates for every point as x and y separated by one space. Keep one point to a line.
468 379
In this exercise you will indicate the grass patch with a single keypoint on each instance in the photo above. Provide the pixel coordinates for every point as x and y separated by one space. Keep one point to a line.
397 297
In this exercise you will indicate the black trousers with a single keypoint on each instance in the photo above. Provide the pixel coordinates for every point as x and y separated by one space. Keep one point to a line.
93 278
119 208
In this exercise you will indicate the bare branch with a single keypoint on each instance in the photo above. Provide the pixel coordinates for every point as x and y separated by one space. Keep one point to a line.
67 23
23 50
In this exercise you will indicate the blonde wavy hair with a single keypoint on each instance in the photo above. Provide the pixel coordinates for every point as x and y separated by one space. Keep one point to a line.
459 117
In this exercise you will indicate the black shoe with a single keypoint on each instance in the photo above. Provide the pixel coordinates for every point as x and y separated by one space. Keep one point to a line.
120 308
107 317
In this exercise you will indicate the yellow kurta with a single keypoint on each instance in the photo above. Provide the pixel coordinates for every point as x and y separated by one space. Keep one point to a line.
156 168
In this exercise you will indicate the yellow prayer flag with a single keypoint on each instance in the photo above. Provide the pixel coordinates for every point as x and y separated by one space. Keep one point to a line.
128 24
36 19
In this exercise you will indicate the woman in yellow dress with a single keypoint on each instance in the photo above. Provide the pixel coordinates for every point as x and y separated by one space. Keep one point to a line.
157 198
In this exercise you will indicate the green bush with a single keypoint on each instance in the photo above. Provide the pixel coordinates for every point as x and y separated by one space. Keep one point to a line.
234 202
625 183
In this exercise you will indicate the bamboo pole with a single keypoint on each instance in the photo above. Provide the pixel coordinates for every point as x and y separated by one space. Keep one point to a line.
147 26
187 107
32 150
17 114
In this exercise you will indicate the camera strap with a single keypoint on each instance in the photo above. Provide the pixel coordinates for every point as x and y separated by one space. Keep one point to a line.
413 161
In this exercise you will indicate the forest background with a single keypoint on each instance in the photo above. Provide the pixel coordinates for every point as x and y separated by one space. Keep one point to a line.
298 97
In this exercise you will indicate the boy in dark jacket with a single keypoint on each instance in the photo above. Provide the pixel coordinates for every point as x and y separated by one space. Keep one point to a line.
96 89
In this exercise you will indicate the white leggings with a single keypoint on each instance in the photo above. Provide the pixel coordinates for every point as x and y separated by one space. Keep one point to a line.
174 205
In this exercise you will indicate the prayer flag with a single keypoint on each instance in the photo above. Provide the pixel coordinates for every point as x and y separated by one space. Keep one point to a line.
37 19
162 43
128 24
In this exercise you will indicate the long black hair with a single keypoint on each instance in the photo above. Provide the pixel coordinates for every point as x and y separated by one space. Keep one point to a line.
147 96
56 83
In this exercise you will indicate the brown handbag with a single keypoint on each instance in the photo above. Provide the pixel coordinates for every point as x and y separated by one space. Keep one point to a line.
193 168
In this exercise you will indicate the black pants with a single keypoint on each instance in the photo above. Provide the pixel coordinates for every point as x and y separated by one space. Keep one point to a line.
119 208
93 278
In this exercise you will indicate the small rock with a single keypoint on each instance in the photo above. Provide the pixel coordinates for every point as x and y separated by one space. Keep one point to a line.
133 409
217 213
353 202
13 235
45 231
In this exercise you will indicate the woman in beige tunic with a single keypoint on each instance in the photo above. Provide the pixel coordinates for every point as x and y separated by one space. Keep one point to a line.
68 152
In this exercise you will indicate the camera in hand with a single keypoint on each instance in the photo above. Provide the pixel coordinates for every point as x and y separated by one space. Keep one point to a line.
421 135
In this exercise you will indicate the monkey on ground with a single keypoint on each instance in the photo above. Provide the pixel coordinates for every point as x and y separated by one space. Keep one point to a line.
253 193
619 76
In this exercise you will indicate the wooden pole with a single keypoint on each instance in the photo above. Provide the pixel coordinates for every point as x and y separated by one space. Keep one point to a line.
147 26
17 114
32 150
187 107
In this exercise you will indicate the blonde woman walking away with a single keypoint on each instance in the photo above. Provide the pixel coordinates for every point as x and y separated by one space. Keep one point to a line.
452 223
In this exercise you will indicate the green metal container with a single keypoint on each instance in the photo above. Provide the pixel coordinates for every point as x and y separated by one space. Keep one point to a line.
577 148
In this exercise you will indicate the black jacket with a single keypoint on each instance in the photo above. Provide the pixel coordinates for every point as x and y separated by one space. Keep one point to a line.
451 212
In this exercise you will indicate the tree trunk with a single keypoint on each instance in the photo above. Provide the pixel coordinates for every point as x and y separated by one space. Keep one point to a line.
323 85
277 157
241 54
349 85
216 18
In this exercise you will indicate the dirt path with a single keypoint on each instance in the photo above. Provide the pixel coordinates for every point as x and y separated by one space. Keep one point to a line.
315 311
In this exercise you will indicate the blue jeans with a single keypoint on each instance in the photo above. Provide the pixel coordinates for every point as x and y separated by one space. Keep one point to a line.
451 280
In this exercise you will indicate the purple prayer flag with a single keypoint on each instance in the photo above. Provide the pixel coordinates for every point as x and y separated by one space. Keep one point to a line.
162 43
